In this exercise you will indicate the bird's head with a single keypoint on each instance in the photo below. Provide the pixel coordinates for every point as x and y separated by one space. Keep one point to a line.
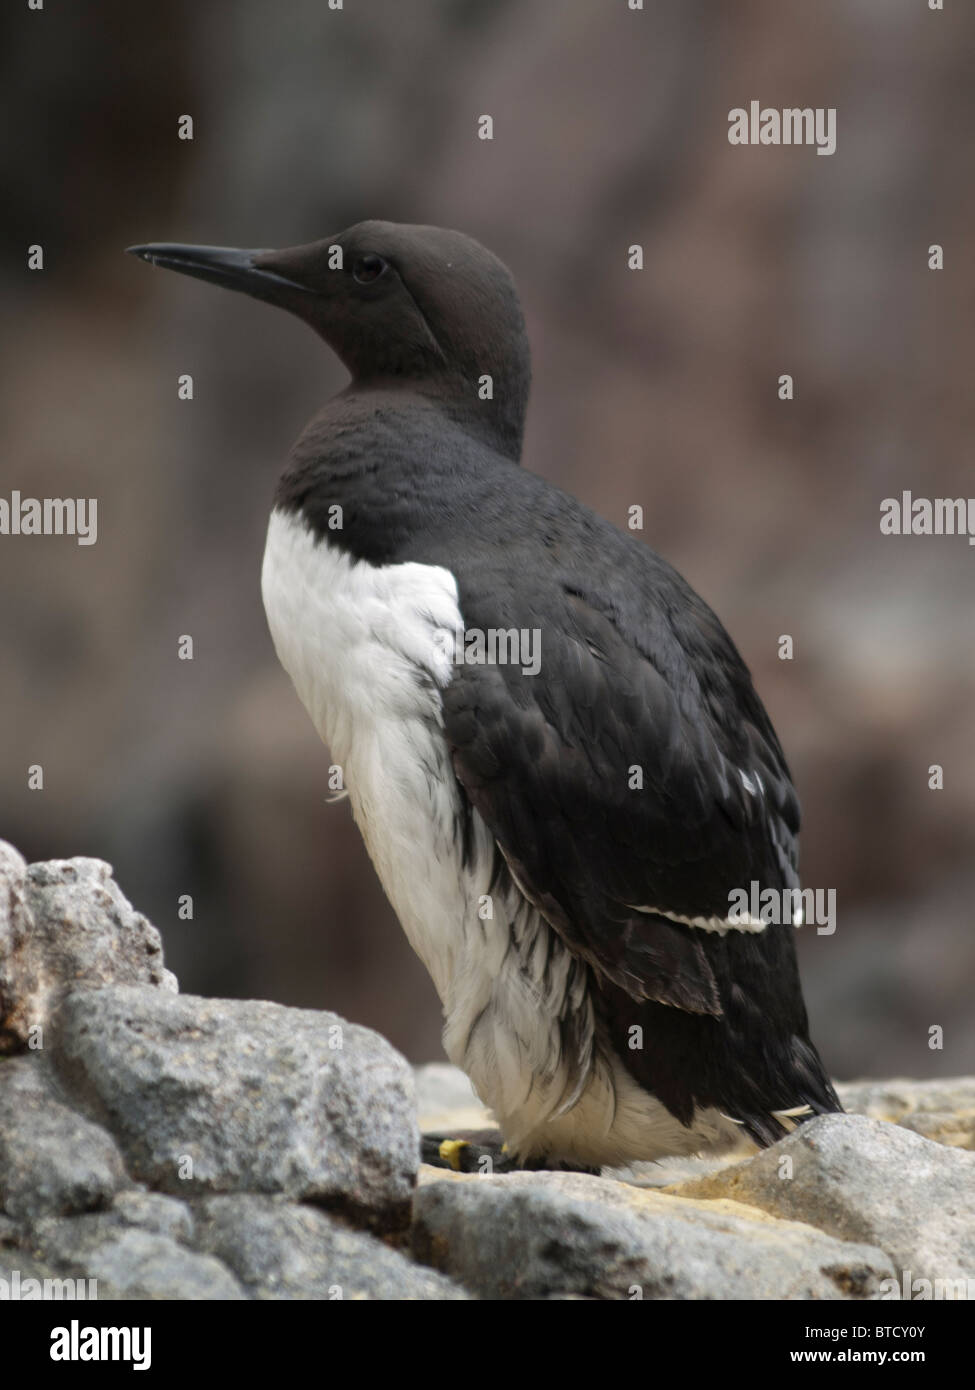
397 303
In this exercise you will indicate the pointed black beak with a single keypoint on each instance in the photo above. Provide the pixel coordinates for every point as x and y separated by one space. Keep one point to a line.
224 265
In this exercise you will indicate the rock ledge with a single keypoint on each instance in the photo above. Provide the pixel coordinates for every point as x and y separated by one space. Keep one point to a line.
165 1146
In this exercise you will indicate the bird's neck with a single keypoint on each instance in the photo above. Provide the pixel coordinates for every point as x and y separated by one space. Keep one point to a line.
376 467
490 405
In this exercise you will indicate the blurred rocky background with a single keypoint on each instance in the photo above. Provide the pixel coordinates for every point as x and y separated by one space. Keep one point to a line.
656 388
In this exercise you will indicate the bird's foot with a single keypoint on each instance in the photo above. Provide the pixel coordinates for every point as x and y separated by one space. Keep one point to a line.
484 1151
468 1151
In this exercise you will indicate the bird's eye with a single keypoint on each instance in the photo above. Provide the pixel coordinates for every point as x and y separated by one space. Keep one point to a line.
368 268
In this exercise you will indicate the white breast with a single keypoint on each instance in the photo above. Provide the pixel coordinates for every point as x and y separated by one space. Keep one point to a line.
370 649
364 645
361 642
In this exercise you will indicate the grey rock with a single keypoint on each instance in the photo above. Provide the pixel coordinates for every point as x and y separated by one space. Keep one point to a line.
865 1180
129 1262
280 1250
172 1147
17 1271
943 1110
52 1160
65 924
545 1235
18 974
155 1212
215 1095
943 1127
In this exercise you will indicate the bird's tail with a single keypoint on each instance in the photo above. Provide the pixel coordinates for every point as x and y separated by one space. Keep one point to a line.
814 1096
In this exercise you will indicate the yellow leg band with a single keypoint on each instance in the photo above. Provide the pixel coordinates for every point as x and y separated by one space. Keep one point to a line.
450 1152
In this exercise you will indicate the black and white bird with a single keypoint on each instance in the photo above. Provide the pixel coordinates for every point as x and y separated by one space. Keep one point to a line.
606 1002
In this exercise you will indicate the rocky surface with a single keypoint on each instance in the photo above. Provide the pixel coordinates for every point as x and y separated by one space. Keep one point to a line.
219 1095
131 1261
52 1160
172 1147
283 1250
65 925
940 1110
866 1180
550 1235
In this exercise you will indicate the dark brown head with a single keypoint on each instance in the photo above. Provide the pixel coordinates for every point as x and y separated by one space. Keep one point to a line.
397 303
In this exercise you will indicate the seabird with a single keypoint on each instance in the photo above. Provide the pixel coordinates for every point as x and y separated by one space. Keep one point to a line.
560 838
